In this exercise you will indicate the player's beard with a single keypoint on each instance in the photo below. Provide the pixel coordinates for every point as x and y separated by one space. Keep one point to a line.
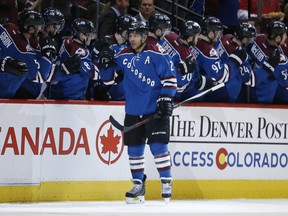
140 47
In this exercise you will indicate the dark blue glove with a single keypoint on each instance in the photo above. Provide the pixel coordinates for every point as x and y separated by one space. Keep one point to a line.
187 66
165 106
71 65
238 56
205 82
271 63
13 66
48 49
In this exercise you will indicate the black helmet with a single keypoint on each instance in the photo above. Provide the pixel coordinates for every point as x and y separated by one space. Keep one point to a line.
211 24
80 25
275 28
29 18
139 27
123 22
189 28
159 21
245 30
53 16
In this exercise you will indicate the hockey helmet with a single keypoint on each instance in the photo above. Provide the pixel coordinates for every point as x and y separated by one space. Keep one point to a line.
275 28
189 28
81 25
245 30
139 27
29 18
53 16
123 22
211 24
159 21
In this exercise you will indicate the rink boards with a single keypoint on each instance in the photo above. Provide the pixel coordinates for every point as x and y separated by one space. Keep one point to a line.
58 151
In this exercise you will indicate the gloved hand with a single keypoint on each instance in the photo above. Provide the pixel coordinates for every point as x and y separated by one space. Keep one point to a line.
13 66
205 82
272 62
120 76
47 46
106 57
98 46
164 106
238 56
101 92
187 66
71 65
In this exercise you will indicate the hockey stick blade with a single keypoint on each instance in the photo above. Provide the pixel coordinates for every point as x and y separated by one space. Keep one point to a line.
115 123
124 129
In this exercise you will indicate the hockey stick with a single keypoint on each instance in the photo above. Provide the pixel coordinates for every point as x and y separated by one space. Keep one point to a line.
124 129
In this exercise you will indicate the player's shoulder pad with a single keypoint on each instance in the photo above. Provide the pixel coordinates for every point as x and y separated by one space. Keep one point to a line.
207 49
172 37
157 48
261 40
73 48
15 38
125 50
226 41
227 38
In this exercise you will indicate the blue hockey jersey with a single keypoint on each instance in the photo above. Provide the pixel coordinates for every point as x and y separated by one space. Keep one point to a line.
239 76
72 86
14 44
147 75
211 65
178 53
267 85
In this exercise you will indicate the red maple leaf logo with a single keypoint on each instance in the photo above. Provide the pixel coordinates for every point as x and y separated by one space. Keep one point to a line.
110 142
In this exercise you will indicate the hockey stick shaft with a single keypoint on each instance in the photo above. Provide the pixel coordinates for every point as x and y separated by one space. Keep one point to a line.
128 128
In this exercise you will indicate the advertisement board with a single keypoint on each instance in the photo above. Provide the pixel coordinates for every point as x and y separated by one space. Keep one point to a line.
45 143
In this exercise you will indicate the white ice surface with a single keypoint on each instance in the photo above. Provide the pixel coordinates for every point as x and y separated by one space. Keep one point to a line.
237 207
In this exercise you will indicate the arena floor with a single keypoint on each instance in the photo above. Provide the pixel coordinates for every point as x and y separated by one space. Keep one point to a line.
238 207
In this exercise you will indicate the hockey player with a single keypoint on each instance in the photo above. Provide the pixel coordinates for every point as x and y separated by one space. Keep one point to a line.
74 65
269 57
186 68
115 43
31 88
209 62
281 95
49 38
54 24
225 46
159 27
14 43
150 84
160 36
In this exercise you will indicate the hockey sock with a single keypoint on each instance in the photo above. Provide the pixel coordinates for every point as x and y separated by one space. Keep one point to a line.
162 159
137 161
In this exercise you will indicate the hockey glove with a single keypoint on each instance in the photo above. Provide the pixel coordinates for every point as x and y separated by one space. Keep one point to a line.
13 66
101 92
99 44
272 62
71 65
106 57
119 76
238 56
47 47
188 66
164 106
205 82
